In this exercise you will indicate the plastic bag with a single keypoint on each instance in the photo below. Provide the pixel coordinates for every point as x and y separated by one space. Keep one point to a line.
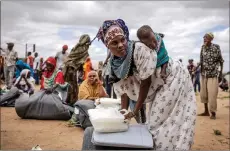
108 102
107 120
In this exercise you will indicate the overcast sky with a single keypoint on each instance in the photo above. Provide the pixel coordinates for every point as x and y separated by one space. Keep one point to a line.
50 25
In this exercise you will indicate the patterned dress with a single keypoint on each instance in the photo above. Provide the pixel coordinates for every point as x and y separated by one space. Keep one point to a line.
172 106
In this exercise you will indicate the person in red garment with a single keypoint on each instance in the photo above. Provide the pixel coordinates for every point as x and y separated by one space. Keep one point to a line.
30 60
87 67
52 77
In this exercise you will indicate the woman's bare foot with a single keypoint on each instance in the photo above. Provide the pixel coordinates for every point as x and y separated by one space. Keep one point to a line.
204 114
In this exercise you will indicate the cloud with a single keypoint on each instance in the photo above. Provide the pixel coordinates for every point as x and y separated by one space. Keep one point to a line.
52 24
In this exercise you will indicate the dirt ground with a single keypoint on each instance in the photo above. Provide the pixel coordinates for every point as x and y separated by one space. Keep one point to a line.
18 134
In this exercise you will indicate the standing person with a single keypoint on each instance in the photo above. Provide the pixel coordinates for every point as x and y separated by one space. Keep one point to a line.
30 60
40 67
61 57
10 57
1 68
172 109
100 65
210 59
108 84
36 68
197 78
191 69
74 61
100 76
87 67
106 67
80 75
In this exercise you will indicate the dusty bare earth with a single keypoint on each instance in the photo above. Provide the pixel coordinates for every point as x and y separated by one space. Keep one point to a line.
56 135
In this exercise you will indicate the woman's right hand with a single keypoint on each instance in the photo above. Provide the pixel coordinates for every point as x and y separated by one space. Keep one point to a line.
49 90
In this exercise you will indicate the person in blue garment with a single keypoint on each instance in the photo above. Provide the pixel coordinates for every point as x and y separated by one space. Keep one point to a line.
20 65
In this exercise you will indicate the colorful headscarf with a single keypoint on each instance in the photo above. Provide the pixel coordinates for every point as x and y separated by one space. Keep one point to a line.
107 24
50 60
65 47
49 78
113 32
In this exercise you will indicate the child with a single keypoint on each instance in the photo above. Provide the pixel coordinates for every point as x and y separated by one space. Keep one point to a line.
25 82
154 41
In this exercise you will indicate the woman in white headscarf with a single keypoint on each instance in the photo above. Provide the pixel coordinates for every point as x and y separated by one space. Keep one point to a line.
25 82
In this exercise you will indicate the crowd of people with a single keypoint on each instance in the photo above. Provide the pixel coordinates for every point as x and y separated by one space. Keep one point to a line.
33 70
139 73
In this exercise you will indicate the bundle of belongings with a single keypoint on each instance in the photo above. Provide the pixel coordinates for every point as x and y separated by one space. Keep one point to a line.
8 99
75 59
111 130
44 106
23 84
80 116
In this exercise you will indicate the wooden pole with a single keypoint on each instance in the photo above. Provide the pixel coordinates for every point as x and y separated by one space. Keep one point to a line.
34 48
26 51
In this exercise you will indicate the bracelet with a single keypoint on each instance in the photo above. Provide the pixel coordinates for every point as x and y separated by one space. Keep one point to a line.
133 114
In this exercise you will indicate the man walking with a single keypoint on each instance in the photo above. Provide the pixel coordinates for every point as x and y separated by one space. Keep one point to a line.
197 78
191 69
61 56
36 68
10 57
210 60
30 60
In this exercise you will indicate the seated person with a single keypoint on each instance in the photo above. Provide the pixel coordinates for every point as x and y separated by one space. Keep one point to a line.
91 88
224 85
47 104
52 77
25 82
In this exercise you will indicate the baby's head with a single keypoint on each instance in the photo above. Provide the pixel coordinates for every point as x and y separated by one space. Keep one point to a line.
145 34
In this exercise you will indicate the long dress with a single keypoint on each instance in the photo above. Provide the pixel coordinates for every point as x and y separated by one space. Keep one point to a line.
172 106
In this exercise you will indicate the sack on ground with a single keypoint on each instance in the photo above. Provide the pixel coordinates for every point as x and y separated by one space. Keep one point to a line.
82 117
42 106
8 99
